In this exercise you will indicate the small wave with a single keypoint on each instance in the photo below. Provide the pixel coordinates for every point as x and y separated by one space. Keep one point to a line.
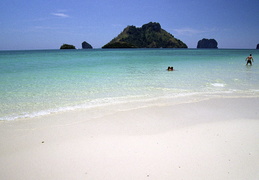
145 100
90 104
218 85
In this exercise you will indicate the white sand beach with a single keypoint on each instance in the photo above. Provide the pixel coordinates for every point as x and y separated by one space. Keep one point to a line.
211 139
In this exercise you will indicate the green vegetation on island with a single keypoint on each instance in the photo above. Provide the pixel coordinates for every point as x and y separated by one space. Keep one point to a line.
150 35
67 46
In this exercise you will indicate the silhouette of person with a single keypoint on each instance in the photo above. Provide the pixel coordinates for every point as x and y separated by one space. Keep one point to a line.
249 60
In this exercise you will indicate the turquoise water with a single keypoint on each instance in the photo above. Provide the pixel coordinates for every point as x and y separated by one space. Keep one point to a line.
34 83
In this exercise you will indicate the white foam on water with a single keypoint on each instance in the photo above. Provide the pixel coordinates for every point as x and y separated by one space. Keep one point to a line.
218 85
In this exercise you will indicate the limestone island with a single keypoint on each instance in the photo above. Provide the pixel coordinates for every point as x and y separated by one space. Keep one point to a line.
257 47
67 46
207 43
150 35
86 45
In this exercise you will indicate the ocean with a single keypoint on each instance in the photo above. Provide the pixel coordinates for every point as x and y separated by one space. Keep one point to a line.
40 82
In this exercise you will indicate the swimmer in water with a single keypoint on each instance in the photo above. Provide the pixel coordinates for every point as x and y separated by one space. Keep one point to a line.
249 60
170 68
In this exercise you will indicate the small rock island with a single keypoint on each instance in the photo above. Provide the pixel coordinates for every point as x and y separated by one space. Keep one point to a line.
257 47
67 46
207 43
86 45
150 35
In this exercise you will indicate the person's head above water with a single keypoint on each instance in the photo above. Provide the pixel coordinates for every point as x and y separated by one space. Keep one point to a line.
170 68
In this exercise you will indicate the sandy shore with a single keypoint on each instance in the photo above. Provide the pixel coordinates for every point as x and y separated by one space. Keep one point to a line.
212 139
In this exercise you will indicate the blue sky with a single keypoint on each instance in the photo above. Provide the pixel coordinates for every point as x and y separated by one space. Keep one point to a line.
38 24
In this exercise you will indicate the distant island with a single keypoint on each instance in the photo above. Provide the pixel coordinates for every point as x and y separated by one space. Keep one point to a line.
207 43
67 46
150 35
257 47
86 45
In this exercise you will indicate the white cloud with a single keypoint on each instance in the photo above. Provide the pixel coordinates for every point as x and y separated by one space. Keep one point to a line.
189 31
60 15
192 31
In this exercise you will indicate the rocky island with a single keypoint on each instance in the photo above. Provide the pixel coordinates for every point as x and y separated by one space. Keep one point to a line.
207 43
257 47
67 46
86 45
150 35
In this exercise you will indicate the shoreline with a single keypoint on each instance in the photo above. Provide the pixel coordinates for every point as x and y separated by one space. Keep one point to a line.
126 104
213 138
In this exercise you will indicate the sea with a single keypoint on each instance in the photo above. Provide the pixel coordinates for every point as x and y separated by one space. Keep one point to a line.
40 82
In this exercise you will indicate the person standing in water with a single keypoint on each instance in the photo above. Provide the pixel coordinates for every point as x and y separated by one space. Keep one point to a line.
249 60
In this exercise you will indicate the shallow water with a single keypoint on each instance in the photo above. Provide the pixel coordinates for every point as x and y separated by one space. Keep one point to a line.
40 82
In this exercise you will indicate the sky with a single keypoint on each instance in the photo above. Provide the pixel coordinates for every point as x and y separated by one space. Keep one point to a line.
38 24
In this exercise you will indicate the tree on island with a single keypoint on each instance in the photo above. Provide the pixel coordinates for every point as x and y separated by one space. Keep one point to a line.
67 46
150 35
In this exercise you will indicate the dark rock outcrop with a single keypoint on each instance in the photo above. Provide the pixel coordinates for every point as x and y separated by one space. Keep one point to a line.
67 46
150 35
257 47
86 45
207 43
